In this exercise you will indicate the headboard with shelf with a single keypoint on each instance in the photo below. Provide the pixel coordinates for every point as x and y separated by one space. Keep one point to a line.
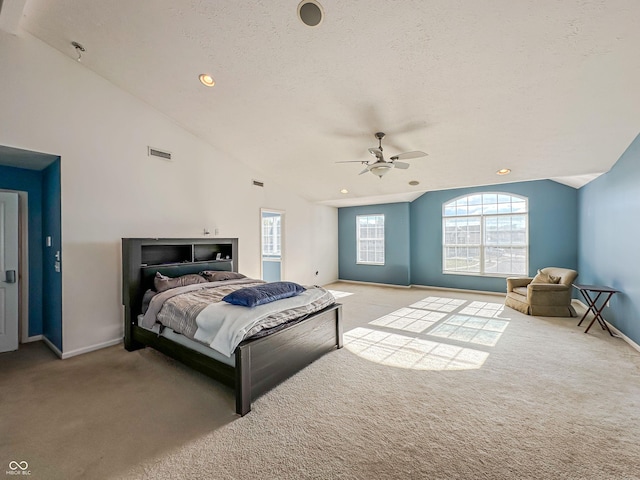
143 257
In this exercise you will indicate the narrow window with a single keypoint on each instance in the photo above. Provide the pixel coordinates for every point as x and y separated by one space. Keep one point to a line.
370 239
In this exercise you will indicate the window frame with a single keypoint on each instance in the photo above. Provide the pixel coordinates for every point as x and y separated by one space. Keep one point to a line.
274 237
359 239
483 245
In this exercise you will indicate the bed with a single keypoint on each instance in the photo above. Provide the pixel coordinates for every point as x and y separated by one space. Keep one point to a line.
257 364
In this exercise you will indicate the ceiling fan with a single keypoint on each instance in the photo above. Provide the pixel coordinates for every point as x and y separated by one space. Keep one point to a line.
380 166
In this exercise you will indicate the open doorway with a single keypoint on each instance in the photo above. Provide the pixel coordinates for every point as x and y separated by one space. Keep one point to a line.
271 242
36 178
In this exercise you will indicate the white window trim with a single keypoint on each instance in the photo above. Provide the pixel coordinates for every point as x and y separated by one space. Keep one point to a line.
482 245
384 251
282 240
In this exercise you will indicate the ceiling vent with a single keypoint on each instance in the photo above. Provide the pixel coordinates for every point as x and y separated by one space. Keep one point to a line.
154 152
258 184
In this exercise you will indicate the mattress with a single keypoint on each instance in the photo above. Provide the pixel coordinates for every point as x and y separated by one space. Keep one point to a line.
169 334
198 313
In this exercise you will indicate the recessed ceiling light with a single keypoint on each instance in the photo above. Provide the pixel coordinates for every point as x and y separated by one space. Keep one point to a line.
344 190
207 80
413 183
504 171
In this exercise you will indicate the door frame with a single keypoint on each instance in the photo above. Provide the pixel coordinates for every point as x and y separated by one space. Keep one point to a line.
282 236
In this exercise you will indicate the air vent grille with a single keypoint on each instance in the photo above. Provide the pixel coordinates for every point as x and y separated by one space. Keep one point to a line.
258 183
154 152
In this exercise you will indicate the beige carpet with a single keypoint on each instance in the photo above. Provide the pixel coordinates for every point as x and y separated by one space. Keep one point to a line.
431 385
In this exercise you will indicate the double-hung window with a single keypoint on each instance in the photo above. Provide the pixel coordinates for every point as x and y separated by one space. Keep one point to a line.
485 234
370 239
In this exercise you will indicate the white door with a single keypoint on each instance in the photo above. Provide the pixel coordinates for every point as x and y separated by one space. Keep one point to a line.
8 271
272 223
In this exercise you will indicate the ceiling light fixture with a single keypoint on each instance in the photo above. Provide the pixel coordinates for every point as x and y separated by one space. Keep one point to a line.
344 190
380 170
79 50
413 183
504 171
207 80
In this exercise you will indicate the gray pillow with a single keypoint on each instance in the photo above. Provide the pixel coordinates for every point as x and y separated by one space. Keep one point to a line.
162 282
219 276
146 300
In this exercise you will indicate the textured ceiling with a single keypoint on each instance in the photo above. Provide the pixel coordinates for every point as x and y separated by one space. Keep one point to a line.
548 89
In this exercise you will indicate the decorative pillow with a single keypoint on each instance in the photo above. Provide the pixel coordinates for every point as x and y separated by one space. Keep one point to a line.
162 282
261 294
146 300
218 276
544 278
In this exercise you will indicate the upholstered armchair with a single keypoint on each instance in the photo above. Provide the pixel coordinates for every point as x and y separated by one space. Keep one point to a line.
548 294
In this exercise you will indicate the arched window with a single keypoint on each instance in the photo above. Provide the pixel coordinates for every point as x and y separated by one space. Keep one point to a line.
485 234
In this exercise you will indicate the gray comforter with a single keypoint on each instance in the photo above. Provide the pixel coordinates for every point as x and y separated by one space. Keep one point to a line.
179 308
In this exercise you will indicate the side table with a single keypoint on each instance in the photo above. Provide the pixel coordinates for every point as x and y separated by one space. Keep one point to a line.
592 294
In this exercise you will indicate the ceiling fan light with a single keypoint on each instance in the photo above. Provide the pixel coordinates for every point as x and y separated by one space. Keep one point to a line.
380 170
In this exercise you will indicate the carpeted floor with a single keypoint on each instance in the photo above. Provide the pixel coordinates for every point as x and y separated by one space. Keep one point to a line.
430 385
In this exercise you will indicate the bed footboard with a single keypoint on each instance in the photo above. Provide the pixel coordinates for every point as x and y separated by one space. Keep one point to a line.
266 362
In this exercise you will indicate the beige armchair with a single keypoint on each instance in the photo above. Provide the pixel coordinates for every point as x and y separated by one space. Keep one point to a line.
548 294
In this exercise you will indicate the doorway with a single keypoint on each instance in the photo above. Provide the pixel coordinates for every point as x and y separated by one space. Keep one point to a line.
271 251
36 178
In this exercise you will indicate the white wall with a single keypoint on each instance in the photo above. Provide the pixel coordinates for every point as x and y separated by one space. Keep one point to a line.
112 189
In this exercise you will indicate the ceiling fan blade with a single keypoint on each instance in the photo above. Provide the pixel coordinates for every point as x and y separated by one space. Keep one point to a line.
401 165
364 171
408 155
352 161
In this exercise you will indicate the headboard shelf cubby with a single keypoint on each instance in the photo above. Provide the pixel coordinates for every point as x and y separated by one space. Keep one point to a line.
162 251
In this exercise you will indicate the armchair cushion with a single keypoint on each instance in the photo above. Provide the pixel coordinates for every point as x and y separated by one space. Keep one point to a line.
545 278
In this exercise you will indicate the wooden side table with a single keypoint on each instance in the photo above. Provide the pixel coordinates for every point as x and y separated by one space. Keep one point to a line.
592 294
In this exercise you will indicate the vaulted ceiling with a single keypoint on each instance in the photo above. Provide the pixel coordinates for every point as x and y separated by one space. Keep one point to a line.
545 88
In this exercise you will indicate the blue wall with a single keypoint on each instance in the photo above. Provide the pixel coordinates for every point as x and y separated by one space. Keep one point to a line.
609 232
553 233
30 181
52 226
413 239
397 268
44 218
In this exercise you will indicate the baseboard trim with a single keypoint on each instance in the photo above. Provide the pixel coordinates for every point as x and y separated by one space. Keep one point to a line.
91 348
359 282
35 338
458 290
617 332
48 343
424 287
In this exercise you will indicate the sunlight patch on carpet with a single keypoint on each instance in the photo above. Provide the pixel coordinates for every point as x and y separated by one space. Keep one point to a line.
412 353
483 309
409 319
439 304
467 328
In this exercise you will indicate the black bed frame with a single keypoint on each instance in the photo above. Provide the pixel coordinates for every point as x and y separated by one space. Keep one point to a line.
260 364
